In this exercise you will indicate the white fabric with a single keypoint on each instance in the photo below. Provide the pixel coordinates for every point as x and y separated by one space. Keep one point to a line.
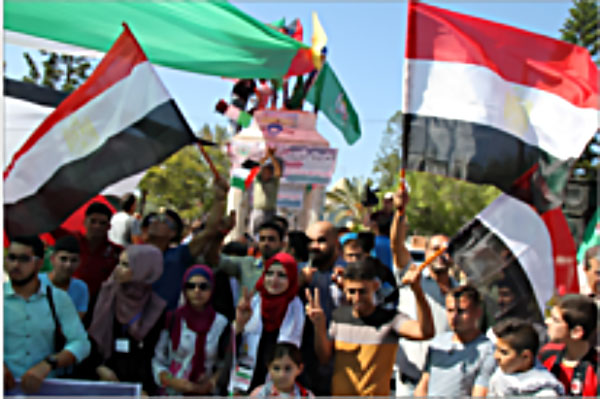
474 93
522 230
537 381
291 330
85 130
164 354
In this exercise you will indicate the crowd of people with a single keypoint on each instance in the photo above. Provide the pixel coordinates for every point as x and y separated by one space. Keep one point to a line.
299 314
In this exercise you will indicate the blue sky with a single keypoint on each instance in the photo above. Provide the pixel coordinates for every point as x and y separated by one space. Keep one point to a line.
365 48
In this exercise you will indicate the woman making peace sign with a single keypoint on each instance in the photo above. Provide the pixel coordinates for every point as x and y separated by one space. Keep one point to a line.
273 314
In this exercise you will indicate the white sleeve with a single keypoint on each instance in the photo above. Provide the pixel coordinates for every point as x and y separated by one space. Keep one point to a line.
160 361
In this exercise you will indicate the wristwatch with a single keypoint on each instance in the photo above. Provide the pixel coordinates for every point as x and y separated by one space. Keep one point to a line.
52 360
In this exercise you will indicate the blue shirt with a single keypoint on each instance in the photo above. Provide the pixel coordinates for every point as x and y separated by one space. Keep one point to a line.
382 251
29 328
455 368
176 262
78 291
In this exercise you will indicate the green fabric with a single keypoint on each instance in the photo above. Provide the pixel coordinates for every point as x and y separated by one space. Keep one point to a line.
328 96
204 37
591 237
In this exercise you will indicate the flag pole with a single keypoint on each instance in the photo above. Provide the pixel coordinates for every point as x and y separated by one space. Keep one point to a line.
208 160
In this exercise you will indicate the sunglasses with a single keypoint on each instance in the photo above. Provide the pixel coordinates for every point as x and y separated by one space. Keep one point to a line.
277 274
352 291
201 286
20 258
164 219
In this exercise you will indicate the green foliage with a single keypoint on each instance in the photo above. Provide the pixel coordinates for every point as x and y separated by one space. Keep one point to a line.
184 181
60 72
582 27
443 205
437 204
343 203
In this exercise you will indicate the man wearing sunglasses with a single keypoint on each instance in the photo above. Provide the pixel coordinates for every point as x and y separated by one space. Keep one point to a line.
65 259
29 326
364 335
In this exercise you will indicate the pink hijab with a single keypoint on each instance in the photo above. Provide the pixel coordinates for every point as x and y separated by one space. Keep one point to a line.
133 303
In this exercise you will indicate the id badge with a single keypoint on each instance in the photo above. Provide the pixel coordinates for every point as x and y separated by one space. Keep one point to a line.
122 345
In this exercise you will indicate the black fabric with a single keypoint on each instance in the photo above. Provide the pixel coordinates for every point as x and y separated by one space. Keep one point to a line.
59 337
33 93
379 317
147 142
485 155
267 343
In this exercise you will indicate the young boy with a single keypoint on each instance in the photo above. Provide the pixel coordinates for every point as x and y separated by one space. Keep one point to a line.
569 355
518 373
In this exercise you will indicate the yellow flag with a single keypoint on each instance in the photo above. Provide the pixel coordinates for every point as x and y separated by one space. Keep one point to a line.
319 40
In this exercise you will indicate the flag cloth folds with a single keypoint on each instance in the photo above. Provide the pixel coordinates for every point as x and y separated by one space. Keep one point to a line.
494 104
328 96
120 121
213 38
506 252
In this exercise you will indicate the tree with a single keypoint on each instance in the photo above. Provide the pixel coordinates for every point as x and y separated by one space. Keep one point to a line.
184 181
438 204
582 27
343 203
60 72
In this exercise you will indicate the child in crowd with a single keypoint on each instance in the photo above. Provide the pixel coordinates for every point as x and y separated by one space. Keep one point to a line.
274 314
569 355
284 365
518 373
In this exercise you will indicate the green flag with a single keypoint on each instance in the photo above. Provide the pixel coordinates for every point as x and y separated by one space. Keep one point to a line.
213 38
328 96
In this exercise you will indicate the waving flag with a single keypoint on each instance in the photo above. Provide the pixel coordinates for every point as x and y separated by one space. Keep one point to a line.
506 249
213 38
119 122
494 104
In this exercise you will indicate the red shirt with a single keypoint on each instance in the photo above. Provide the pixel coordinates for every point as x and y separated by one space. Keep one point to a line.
95 267
581 380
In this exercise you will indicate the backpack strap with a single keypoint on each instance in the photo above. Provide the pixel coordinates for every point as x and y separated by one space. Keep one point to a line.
52 308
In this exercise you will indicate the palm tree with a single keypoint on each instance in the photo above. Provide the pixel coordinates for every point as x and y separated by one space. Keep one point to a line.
343 203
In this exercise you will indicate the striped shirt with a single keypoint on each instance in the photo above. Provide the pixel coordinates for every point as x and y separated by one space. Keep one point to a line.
365 351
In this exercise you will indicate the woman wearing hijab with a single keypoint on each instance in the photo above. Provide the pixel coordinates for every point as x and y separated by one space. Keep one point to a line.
191 351
128 318
274 314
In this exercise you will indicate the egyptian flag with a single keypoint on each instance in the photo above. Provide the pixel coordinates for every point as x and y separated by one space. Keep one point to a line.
120 121
507 253
494 104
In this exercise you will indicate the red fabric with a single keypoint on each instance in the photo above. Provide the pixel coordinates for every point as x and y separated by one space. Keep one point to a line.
564 252
550 356
125 54
199 322
274 307
96 266
516 55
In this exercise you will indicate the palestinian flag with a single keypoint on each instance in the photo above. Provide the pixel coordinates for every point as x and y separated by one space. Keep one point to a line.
236 115
494 104
507 253
242 178
119 122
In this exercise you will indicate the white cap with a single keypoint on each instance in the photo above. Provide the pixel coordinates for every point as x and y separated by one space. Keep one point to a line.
388 195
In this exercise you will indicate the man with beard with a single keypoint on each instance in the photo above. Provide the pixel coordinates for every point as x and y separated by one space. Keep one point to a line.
31 352
436 283
320 272
247 269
